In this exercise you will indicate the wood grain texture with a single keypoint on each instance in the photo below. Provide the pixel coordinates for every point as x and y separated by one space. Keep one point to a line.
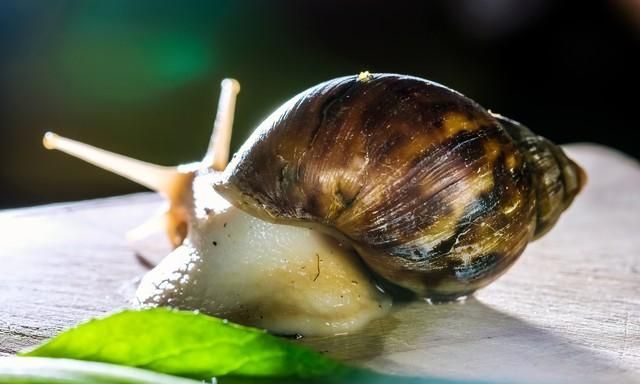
568 311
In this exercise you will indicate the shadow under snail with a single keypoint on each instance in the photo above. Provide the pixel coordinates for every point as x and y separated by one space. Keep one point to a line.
351 189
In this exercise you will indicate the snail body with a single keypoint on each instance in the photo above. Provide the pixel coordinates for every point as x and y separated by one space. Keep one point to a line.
351 189
287 279
436 194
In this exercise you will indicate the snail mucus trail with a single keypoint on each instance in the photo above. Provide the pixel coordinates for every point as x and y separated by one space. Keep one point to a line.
433 193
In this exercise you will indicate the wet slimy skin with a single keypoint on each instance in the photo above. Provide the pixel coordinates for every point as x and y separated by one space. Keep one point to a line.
287 279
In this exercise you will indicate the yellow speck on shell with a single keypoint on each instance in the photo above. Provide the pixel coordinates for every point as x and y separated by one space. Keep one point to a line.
364 76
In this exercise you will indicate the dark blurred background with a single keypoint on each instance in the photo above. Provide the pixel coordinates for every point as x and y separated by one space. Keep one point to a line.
142 77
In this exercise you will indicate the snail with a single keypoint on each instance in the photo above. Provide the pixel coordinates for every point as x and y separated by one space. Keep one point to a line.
393 181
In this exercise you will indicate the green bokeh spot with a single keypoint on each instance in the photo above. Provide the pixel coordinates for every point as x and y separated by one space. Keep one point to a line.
127 65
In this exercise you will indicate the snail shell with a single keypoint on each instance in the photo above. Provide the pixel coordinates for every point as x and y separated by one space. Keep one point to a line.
436 194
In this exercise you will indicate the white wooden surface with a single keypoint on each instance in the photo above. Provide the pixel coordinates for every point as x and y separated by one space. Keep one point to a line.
568 311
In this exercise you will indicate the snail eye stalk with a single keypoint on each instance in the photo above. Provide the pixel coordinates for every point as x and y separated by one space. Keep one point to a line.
155 177
217 155
159 178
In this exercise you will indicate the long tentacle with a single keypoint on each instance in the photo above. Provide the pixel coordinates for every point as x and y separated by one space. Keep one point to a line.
217 155
152 176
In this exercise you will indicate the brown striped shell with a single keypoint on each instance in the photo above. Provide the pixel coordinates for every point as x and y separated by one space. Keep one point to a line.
436 194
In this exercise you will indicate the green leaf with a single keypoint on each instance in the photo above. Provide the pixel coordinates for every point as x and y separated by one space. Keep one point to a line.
187 344
37 370
198 346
